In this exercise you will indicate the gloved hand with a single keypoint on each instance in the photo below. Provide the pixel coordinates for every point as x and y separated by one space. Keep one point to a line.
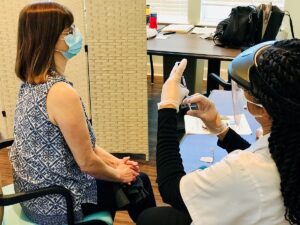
207 112
173 91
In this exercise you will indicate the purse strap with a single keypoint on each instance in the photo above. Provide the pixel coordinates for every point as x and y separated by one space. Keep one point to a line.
291 23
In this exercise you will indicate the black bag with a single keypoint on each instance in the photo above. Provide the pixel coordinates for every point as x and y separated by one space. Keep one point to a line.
126 194
247 26
239 29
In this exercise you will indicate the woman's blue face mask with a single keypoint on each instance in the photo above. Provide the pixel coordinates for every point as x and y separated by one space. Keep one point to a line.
74 42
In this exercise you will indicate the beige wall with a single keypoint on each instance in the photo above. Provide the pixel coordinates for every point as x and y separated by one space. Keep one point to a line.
9 83
117 62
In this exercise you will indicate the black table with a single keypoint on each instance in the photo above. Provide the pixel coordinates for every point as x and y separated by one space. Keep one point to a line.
192 47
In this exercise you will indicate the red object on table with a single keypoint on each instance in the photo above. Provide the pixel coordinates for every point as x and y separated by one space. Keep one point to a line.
153 21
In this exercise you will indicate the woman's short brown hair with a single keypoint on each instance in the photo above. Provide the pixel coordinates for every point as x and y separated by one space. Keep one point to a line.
40 26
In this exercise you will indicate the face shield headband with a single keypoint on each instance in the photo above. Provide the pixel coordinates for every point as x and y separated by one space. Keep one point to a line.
244 65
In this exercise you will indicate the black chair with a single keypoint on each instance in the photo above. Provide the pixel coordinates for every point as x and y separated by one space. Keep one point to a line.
13 212
152 68
217 79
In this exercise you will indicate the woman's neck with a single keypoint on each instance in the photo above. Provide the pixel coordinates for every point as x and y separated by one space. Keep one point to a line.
266 129
60 62
266 123
38 79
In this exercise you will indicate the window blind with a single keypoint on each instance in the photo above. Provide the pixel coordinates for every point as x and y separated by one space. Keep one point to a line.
213 11
170 11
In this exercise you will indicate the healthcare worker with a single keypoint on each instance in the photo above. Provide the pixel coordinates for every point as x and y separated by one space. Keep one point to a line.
54 143
256 186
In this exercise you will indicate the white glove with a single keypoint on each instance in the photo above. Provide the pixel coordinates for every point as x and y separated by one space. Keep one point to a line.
173 91
207 112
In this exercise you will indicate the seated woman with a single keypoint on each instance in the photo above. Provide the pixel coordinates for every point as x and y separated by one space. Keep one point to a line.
259 185
54 143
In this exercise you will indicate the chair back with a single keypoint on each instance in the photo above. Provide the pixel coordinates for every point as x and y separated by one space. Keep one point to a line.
3 144
1 207
15 215
217 80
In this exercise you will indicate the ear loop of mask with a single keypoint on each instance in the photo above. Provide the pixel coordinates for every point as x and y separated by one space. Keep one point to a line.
63 39
60 51
256 104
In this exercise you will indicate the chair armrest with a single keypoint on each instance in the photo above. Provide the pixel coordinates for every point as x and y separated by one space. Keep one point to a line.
220 81
11 199
6 143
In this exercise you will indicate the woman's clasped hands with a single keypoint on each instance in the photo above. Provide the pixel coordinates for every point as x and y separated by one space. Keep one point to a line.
127 169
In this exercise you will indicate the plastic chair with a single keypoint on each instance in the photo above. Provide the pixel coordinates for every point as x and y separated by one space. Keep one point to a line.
13 213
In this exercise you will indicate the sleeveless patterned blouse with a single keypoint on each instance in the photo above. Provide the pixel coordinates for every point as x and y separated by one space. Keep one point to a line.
41 157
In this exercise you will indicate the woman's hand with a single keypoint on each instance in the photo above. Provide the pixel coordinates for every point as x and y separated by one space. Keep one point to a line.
207 112
173 91
133 164
126 173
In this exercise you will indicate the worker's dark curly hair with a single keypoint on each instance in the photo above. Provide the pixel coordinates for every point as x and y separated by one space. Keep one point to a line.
278 88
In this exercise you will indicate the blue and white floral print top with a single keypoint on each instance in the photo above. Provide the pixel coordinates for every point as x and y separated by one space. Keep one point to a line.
41 157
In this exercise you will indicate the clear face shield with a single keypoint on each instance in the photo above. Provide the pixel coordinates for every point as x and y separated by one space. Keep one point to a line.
238 101
239 71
